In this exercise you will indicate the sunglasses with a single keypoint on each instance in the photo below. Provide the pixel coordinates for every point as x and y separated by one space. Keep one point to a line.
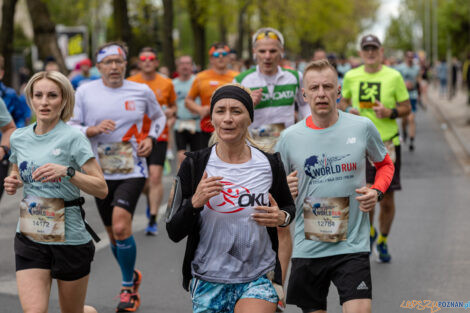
267 34
149 57
218 54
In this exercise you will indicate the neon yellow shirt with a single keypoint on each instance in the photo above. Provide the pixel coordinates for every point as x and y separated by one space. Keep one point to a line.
364 88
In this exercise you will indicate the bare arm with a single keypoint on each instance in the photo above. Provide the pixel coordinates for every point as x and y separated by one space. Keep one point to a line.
6 130
13 181
195 108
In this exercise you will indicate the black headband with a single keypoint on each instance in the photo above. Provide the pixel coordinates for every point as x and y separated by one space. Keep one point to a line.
233 92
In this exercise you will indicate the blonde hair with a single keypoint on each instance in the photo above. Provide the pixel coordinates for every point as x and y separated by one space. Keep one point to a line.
215 139
319 65
68 94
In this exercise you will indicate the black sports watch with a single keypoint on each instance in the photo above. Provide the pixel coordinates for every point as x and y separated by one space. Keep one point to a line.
70 172
380 195
394 114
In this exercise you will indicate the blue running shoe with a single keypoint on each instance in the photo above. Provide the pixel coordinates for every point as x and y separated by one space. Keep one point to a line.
382 253
372 240
151 230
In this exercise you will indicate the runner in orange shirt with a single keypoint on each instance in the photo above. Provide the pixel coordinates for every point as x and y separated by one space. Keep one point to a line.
206 82
166 96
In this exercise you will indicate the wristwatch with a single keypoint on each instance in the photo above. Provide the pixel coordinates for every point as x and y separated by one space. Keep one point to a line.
380 195
287 220
394 114
70 172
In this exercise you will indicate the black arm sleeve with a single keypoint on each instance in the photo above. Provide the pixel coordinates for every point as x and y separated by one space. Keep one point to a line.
186 216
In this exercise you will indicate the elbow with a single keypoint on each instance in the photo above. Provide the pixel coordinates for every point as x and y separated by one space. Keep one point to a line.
103 191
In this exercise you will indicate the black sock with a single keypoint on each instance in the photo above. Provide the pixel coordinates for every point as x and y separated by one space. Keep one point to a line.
153 219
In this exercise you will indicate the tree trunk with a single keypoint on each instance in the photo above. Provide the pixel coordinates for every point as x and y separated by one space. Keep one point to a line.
122 27
45 37
199 32
168 47
6 38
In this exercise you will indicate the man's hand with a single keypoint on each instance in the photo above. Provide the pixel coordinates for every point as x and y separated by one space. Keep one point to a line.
380 110
145 147
367 200
106 126
293 182
206 189
354 111
204 111
256 95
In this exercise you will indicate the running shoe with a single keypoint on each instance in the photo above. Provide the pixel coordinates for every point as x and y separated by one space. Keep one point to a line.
170 155
128 301
281 306
166 168
372 240
151 230
137 280
382 253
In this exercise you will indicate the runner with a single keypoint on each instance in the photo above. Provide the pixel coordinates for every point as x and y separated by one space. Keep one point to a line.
411 75
187 128
162 87
231 252
275 91
84 76
54 162
120 118
378 92
204 85
332 226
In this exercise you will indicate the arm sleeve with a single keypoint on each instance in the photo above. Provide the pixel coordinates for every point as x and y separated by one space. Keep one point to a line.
384 174
81 149
186 216
156 115
77 119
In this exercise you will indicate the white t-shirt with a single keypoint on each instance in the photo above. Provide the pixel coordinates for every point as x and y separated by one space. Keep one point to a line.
233 248
126 106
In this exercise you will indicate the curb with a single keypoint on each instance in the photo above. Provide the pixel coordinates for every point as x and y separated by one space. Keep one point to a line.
452 128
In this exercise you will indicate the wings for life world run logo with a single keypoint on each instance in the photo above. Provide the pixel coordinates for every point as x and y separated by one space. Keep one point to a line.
235 198
26 172
317 166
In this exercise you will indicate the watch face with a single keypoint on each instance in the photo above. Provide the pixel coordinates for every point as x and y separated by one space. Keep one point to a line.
70 171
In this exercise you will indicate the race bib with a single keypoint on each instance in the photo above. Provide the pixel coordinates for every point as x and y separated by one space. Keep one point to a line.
267 134
326 219
189 125
391 150
116 157
43 219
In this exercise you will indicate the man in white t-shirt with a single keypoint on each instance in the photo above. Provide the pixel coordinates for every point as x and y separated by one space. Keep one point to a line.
121 118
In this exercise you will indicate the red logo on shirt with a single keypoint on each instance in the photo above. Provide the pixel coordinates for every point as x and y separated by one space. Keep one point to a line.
228 199
129 105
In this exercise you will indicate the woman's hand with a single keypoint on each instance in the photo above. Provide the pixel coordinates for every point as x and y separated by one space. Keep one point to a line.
145 147
50 172
270 216
12 183
206 189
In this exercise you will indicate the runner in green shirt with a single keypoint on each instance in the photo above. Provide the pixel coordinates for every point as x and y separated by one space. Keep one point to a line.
378 92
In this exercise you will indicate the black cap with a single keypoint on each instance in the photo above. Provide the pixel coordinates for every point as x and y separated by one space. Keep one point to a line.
370 40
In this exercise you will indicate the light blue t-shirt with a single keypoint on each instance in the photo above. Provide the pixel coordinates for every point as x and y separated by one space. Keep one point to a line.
331 163
5 116
410 73
182 89
63 145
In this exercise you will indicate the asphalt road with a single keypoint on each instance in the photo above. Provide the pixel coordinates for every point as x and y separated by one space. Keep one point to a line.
428 243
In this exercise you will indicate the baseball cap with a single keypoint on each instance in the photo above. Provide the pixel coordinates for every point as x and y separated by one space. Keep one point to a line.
370 40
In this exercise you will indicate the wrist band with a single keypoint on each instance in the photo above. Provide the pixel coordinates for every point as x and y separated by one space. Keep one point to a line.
394 114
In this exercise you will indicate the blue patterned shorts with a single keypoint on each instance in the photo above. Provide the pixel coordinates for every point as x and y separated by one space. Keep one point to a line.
218 297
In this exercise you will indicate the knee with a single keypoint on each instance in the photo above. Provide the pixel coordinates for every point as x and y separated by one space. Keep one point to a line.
121 230
155 178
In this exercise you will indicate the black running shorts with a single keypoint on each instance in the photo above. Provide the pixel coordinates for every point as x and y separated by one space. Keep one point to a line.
185 138
395 185
122 193
158 154
66 262
310 280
